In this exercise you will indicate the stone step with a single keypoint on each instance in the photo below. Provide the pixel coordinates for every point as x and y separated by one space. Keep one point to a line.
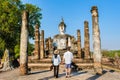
41 66
49 64
48 60
50 56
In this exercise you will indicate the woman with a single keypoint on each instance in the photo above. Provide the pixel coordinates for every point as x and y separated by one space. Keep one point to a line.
56 61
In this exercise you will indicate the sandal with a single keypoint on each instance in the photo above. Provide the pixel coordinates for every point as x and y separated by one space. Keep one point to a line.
66 76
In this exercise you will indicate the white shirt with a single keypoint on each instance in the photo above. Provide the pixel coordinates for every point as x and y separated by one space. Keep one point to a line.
56 61
68 56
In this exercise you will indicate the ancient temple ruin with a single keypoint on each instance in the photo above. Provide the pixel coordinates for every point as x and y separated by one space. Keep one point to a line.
44 47
62 41
6 63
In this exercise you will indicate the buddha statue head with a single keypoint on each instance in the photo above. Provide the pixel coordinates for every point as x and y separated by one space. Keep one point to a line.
62 27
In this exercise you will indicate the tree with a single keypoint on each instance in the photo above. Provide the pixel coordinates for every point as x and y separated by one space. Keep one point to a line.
34 17
10 22
30 48
17 49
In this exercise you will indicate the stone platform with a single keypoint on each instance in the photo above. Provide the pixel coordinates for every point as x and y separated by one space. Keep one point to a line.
48 75
44 64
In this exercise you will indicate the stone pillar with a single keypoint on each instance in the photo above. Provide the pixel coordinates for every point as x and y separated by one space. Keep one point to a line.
96 41
72 43
79 43
69 42
46 44
6 62
50 45
46 47
86 40
37 39
66 42
42 45
24 45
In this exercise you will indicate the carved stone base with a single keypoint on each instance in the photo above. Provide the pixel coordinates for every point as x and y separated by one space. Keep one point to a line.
98 67
35 57
23 69
6 66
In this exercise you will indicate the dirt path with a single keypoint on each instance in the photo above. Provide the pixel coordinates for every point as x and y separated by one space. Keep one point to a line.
48 75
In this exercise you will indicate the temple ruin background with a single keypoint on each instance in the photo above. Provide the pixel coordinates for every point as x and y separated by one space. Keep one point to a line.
45 47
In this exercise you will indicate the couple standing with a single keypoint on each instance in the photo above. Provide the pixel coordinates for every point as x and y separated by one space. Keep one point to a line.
67 59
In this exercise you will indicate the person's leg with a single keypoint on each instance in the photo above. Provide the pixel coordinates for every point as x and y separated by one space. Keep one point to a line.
69 70
66 70
54 71
57 72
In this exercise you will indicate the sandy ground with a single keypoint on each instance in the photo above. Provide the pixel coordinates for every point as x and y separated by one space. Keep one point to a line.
48 75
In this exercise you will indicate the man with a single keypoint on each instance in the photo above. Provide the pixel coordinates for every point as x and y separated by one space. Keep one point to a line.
67 59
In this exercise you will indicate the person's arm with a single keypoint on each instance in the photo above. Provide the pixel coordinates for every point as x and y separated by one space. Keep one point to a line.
72 57
63 60
59 59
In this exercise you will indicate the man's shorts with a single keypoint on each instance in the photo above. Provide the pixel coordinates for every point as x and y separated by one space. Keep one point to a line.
67 65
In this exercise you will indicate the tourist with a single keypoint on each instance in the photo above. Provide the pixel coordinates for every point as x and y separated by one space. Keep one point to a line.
56 61
51 67
67 59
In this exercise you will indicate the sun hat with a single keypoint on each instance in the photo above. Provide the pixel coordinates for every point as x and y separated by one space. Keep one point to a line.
56 52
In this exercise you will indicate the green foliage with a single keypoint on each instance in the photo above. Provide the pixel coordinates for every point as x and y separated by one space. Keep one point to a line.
17 50
30 48
2 45
111 53
34 17
10 23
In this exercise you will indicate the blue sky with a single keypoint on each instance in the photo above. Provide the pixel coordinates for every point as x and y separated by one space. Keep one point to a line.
75 12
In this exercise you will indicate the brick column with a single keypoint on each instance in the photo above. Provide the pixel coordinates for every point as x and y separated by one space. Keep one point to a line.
86 40
79 43
46 47
72 43
69 42
42 45
46 44
37 47
50 45
24 44
96 41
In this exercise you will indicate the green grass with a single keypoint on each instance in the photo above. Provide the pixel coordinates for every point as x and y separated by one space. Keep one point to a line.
110 53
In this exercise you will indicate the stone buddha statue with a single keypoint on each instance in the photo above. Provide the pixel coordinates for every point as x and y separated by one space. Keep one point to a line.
62 40
62 27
